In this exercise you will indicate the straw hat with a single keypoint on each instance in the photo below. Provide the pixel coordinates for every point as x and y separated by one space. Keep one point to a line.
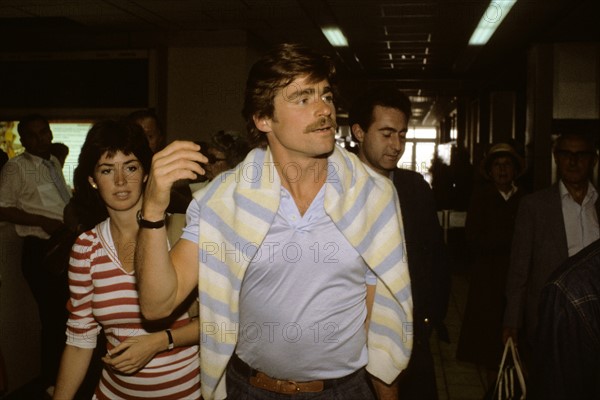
503 149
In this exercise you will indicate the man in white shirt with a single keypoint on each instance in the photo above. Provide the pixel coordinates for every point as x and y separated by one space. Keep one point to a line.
552 224
33 196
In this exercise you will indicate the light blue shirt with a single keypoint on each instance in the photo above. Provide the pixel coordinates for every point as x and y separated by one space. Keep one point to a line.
581 221
302 302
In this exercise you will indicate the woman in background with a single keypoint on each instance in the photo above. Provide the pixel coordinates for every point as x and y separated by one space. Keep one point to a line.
144 360
489 229
224 151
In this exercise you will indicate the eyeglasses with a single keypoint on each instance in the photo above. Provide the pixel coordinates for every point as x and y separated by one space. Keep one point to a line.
574 155
224 140
213 159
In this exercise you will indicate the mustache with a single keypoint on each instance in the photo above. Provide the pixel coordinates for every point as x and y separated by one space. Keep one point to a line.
321 123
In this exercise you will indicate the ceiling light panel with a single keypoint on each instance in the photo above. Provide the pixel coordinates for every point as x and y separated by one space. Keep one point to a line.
490 21
335 36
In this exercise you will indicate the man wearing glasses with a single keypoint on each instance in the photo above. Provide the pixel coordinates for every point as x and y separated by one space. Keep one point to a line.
552 224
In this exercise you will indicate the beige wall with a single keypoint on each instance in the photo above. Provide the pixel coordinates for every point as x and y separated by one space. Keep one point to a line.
576 81
205 91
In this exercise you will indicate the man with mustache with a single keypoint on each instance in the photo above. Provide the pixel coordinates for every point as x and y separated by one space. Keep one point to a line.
303 286
379 122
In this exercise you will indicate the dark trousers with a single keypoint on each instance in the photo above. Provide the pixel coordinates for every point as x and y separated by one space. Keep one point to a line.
356 388
51 293
417 381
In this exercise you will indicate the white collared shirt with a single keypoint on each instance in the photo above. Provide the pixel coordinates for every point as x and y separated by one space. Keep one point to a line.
581 221
27 185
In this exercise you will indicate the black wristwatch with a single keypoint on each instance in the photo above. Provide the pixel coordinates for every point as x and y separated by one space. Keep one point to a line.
150 224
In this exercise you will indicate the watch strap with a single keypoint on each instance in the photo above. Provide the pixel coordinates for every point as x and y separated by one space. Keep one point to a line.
171 343
150 224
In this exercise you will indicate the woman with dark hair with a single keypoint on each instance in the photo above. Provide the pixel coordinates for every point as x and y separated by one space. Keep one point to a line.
157 360
224 151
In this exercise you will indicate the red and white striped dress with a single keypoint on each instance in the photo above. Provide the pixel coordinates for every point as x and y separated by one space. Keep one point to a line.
104 296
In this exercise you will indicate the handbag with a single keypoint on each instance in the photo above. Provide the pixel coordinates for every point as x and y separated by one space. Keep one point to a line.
510 384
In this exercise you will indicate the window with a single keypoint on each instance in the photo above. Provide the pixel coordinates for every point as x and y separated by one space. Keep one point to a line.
419 151
71 133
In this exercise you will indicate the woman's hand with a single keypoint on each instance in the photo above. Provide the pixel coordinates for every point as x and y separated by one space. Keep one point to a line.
135 352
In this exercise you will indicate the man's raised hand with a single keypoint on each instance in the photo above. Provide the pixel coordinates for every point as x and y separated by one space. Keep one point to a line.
179 160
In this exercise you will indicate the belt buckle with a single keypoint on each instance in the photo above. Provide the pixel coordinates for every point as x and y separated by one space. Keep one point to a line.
295 387
263 381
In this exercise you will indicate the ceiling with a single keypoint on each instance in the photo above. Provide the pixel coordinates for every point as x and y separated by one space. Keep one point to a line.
418 45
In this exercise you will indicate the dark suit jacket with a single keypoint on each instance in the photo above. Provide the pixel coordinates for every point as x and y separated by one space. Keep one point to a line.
427 265
430 281
539 246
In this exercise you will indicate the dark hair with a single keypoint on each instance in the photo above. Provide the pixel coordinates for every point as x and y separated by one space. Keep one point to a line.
274 71
143 113
26 120
588 139
105 137
234 147
361 112
138 115
59 150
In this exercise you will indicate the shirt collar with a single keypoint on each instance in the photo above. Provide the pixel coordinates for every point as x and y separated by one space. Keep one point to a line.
510 193
37 160
591 194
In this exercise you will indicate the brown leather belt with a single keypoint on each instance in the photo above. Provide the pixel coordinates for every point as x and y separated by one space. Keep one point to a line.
263 381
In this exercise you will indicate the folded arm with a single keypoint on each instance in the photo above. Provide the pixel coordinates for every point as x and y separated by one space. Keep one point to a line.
135 352
20 217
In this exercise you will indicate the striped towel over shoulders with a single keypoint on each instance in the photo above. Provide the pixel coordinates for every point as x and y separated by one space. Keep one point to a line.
236 212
